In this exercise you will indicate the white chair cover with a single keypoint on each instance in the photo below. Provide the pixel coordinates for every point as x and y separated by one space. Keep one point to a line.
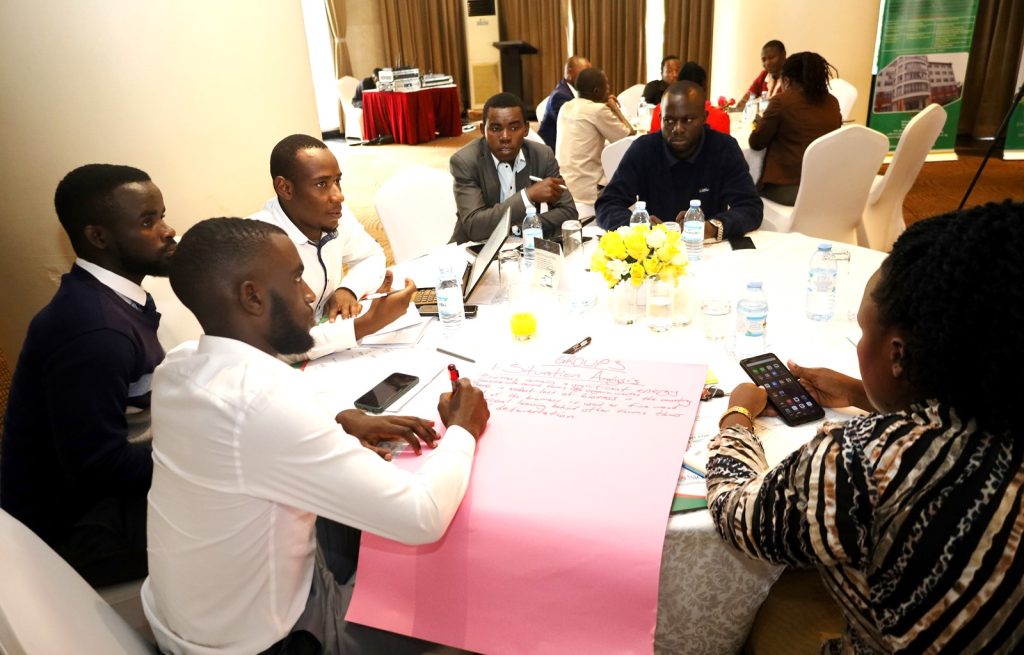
541 108
629 100
612 155
838 169
883 216
533 136
416 205
846 94
46 607
353 115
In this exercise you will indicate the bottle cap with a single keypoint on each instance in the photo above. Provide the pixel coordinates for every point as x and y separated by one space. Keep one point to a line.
754 284
641 205
824 246
695 203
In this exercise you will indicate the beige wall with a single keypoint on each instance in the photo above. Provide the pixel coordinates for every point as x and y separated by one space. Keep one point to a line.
364 36
194 92
842 32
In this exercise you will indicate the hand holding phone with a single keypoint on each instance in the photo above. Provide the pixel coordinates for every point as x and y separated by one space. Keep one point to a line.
789 398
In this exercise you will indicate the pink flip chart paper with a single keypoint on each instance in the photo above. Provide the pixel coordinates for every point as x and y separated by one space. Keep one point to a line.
557 545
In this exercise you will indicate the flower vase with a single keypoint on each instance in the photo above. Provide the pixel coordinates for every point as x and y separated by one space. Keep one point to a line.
626 302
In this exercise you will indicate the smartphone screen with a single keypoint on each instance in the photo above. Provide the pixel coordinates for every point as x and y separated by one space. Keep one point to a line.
742 243
389 390
785 393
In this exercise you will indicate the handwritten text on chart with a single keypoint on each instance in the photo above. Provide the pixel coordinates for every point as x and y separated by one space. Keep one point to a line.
573 386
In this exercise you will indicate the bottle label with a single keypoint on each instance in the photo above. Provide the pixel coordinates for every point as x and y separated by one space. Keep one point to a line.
823 281
449 301
693 231
530 234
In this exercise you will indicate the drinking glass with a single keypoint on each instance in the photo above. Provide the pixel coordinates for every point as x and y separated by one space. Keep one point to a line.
572 240
717 311
846 296
659 304
522 319
508 273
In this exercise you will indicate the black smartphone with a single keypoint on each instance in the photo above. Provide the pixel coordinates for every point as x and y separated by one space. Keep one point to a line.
742 243
785 393
390 389
431 310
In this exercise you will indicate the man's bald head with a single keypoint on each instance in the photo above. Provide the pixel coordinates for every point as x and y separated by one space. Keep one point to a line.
573 67
218 254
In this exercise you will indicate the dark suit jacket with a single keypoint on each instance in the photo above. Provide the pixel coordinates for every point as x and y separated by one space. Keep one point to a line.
477 191
548 129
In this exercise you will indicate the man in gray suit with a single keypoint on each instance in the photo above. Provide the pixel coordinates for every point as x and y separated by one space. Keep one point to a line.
493 174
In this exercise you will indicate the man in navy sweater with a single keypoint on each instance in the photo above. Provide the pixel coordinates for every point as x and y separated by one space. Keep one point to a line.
81 386
684 162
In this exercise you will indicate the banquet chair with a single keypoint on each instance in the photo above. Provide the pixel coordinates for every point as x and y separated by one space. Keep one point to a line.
883 215
541 108
846 94
612 155
353 115
416 205
629 100
46 607
838 168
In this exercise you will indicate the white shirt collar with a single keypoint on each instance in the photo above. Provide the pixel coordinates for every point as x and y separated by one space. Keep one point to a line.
282 221
575 93
122 286
520 161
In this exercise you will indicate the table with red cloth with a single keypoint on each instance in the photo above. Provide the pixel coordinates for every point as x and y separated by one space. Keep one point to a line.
412 116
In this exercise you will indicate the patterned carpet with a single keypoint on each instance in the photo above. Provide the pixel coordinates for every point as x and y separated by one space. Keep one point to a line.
938 189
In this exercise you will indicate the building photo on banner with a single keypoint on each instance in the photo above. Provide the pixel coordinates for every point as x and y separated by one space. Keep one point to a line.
511 327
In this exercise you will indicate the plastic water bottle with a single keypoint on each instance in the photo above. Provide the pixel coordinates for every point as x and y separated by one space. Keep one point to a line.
821 284
643 115
693 231
750 110
763 105
531 229
752 321
640 215
449 298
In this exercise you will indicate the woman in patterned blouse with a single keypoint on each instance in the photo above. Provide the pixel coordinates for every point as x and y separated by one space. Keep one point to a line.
912 514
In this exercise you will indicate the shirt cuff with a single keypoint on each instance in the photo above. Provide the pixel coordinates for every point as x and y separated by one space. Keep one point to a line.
459 438
526 200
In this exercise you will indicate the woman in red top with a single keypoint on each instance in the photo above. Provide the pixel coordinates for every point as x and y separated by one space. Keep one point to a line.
770 79
693 72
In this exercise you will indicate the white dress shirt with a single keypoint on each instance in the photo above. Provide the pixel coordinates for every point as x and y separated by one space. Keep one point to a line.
584 127
507 177
244 460
353 247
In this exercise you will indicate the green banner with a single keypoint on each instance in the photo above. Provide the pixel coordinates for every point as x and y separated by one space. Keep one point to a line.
922 58
1014 148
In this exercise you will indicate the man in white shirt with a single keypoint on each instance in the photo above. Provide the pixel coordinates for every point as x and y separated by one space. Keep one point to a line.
585 125
245 458
309 208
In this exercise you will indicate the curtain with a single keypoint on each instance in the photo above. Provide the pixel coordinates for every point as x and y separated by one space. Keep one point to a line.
990 80
544 24
342 63
688 28
610 33
428 34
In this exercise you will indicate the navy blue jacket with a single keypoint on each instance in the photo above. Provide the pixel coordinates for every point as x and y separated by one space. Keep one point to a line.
65 443
716 174
548 129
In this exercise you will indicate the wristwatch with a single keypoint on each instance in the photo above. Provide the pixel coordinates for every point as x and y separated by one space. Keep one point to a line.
719 231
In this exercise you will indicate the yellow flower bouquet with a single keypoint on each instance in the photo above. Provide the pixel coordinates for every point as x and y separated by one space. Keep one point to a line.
636 252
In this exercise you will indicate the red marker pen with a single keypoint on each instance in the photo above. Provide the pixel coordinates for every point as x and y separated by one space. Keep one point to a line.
453 373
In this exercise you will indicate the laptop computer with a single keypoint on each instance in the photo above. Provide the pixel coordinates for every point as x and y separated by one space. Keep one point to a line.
473 274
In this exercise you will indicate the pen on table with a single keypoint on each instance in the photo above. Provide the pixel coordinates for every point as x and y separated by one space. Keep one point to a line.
453 373
462 357
576 347
541 179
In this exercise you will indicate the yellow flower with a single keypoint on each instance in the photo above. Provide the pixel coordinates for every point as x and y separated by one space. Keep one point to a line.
636 245
652 265
611 279
656 237
598 261
636 274
611 244
672 238
667 252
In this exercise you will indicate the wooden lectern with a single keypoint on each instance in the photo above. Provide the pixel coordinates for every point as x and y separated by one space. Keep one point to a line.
512 65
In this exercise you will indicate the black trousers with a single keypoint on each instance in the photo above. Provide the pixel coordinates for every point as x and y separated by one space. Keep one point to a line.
108 544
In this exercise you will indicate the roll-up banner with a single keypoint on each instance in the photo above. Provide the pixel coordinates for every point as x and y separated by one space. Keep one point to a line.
922 57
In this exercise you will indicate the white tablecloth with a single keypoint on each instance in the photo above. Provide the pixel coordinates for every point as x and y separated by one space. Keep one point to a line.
709 594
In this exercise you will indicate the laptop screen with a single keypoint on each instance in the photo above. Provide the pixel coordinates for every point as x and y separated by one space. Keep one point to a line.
488 253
